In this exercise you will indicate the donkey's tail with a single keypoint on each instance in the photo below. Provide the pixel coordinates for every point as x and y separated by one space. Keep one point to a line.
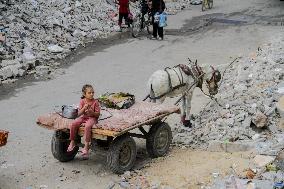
150 95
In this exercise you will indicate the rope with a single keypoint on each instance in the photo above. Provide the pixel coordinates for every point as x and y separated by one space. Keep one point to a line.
226 70
211 96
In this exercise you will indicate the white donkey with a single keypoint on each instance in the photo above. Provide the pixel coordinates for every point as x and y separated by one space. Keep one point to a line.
181 80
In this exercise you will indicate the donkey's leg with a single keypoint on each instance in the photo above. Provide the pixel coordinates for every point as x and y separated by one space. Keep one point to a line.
183 109
161 100
187 106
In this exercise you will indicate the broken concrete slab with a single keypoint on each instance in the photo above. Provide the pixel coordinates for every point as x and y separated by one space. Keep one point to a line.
280 106
261 160
221 146
237 183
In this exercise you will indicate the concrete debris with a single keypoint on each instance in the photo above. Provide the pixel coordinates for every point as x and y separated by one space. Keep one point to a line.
195 2
260 120
39 31
262 161
219 146
232 182
246 105
55 48
280 106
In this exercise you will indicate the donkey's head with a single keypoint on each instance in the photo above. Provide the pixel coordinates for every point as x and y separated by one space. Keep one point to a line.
213 80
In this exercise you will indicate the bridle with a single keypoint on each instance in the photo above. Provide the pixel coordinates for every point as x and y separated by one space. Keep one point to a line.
195 71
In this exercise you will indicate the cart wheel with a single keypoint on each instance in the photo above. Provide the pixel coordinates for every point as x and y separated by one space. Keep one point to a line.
59 145
158 140
122 154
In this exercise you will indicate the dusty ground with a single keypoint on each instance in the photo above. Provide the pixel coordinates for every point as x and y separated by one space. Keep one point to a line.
125 65
193 169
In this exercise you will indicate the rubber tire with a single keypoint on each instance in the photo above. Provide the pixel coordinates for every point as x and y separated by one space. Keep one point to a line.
59 144
114 151
152 140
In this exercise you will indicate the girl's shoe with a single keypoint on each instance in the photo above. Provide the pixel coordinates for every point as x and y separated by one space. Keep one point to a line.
85 154
153 38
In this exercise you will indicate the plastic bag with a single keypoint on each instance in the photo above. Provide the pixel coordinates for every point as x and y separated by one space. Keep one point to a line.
163 20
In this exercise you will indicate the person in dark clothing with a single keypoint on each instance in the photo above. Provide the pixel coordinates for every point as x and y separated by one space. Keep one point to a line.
157 6
144 10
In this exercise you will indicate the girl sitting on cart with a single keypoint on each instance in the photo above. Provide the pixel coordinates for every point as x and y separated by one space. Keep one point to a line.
89 111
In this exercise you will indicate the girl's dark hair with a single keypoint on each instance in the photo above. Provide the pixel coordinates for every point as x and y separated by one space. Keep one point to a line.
84 90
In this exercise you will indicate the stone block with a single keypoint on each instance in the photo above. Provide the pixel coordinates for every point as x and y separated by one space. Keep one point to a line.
6 72
281 124
55 48
261 160
220 146
280 106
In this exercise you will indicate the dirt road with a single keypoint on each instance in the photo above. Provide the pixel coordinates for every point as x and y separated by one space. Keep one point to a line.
232 28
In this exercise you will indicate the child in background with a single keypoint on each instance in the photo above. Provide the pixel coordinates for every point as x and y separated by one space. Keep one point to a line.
123 11
158 7
89 111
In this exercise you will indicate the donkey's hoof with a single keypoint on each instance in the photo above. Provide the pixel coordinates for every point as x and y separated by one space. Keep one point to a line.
187 123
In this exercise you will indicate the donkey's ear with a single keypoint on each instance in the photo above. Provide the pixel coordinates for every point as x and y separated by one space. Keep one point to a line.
207 81
189 60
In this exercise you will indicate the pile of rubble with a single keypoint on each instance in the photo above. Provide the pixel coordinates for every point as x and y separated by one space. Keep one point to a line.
36 32
265 172
246 106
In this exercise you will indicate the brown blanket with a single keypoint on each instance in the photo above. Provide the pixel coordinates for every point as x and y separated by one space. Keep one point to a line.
120 119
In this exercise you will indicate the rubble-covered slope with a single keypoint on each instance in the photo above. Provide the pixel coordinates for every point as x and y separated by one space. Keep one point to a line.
34 32
247 98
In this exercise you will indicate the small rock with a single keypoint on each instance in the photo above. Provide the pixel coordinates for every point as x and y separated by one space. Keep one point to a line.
9 62
76 171
260 120
281 124
42 70
6 72
256 136
247 122
125 185
127 174
55 48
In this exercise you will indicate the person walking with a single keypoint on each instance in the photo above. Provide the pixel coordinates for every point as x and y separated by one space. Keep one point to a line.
123 12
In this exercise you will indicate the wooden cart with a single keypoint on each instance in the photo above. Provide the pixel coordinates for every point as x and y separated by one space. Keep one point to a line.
120 146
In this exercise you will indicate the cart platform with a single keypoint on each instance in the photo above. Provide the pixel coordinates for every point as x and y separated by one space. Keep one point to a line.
119 121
